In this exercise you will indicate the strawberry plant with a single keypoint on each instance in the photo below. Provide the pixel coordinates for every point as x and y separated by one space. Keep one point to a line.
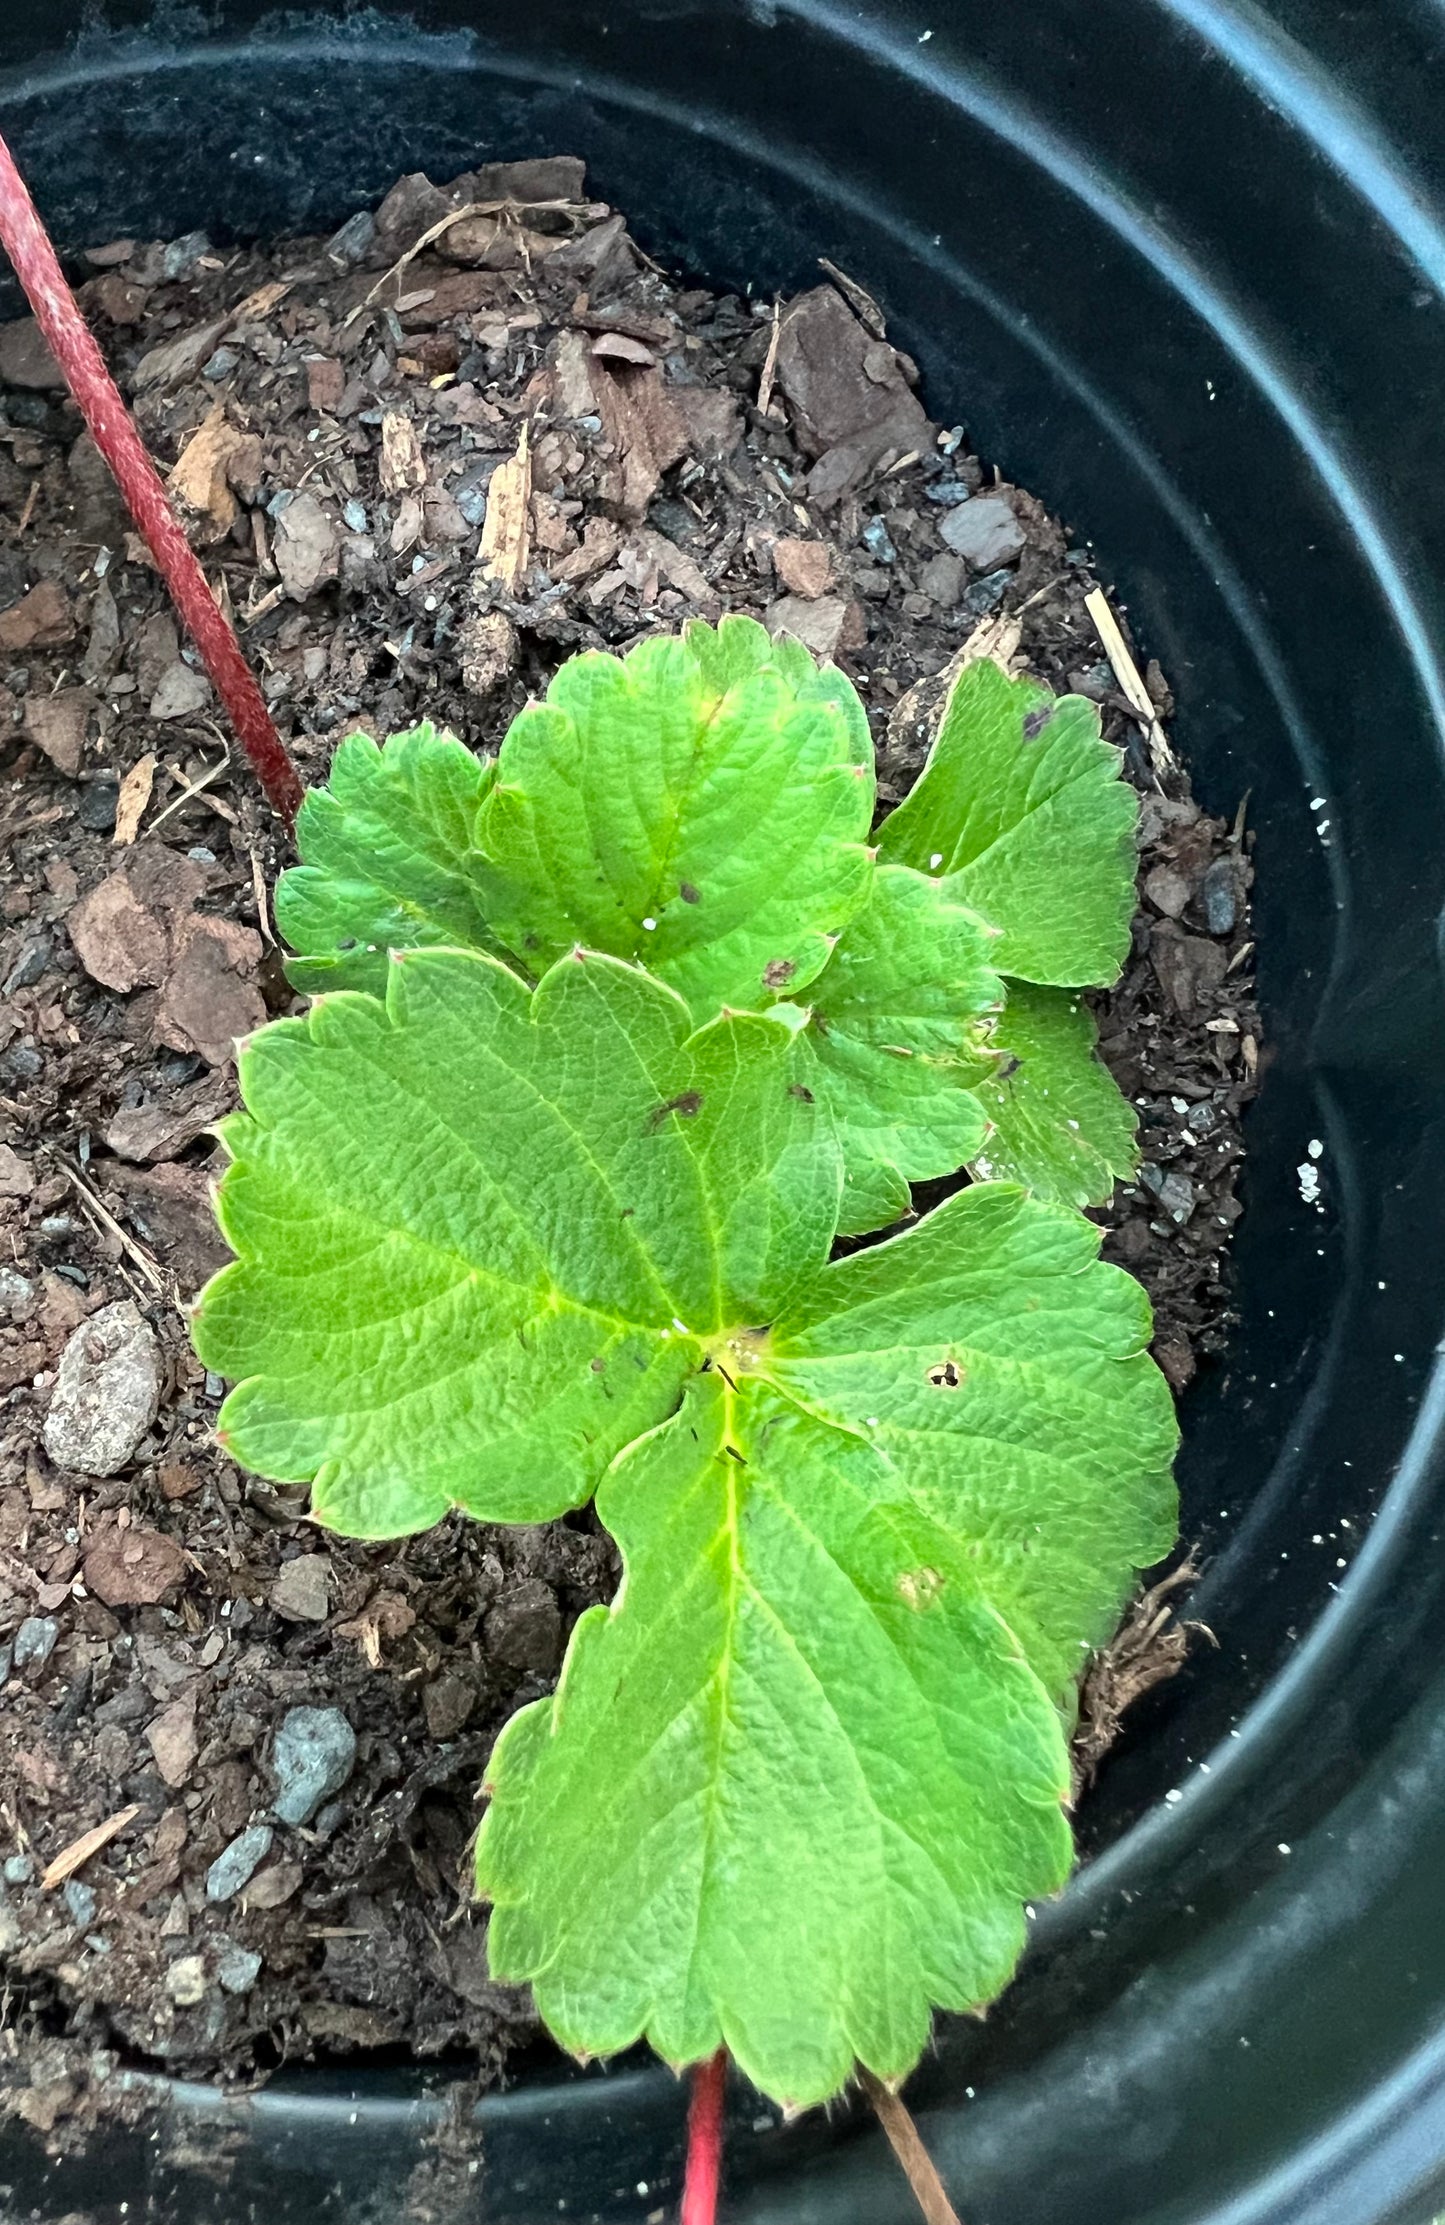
539 1202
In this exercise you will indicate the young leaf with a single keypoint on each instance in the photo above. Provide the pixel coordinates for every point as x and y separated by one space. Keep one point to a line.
794 1782
480 1230
701 806
1021 807
1061 1123
795 1788
387 850
896 1032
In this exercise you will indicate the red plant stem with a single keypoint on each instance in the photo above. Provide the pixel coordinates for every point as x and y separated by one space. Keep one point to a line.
72 343
704 2141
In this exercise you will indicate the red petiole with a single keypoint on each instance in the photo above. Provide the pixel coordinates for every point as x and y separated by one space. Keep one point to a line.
72 343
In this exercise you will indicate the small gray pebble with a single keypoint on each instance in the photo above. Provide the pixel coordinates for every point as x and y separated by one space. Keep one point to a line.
329 1819
354 514
15 1289
875 538
30 965
35 1641
1219 891
181 255
19 1869
1174 1191
237 1864
986 594
80 1900
221 364
947 493
312 1758
238 1968
97 806
348 245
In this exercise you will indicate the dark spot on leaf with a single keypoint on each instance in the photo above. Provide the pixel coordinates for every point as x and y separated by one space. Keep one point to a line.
733 1454
1036 721
531 942
689 894
689 1104
947 1376
628 1211
1007 1065
348 942
796 1089
597 1366
778 972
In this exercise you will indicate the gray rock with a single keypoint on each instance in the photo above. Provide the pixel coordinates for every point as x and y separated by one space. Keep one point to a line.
313 1757
15 1289
878 541
181 693
984 532
236 1865
80 1900
19 1869
186 1981
1174 1191
942 578
221 364
181 255
107 1391
352 243
35 1641
1219 893
97 805
302 1588
238 1968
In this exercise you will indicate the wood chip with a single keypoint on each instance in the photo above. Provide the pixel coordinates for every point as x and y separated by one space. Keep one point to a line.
402 462
135 795
1126 672
770 362
80 1850
215 454
507 528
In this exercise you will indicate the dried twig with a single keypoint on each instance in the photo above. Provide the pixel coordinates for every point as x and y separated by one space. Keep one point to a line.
80 1850
1126 672
918 2165
508 210
192 788
770 363
133 1251
858 298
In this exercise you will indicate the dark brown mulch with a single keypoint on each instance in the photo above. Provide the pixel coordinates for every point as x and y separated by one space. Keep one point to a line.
688 453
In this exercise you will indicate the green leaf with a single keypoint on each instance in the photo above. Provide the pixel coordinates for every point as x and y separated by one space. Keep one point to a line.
480 1232
795 1781
896 1032
388 865
1061 1123
701 806
794 1787
1004 1371
1021 806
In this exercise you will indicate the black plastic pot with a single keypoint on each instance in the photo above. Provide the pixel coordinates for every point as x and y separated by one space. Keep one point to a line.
1178 265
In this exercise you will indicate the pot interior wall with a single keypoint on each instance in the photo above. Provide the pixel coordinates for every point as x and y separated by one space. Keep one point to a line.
1153 330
